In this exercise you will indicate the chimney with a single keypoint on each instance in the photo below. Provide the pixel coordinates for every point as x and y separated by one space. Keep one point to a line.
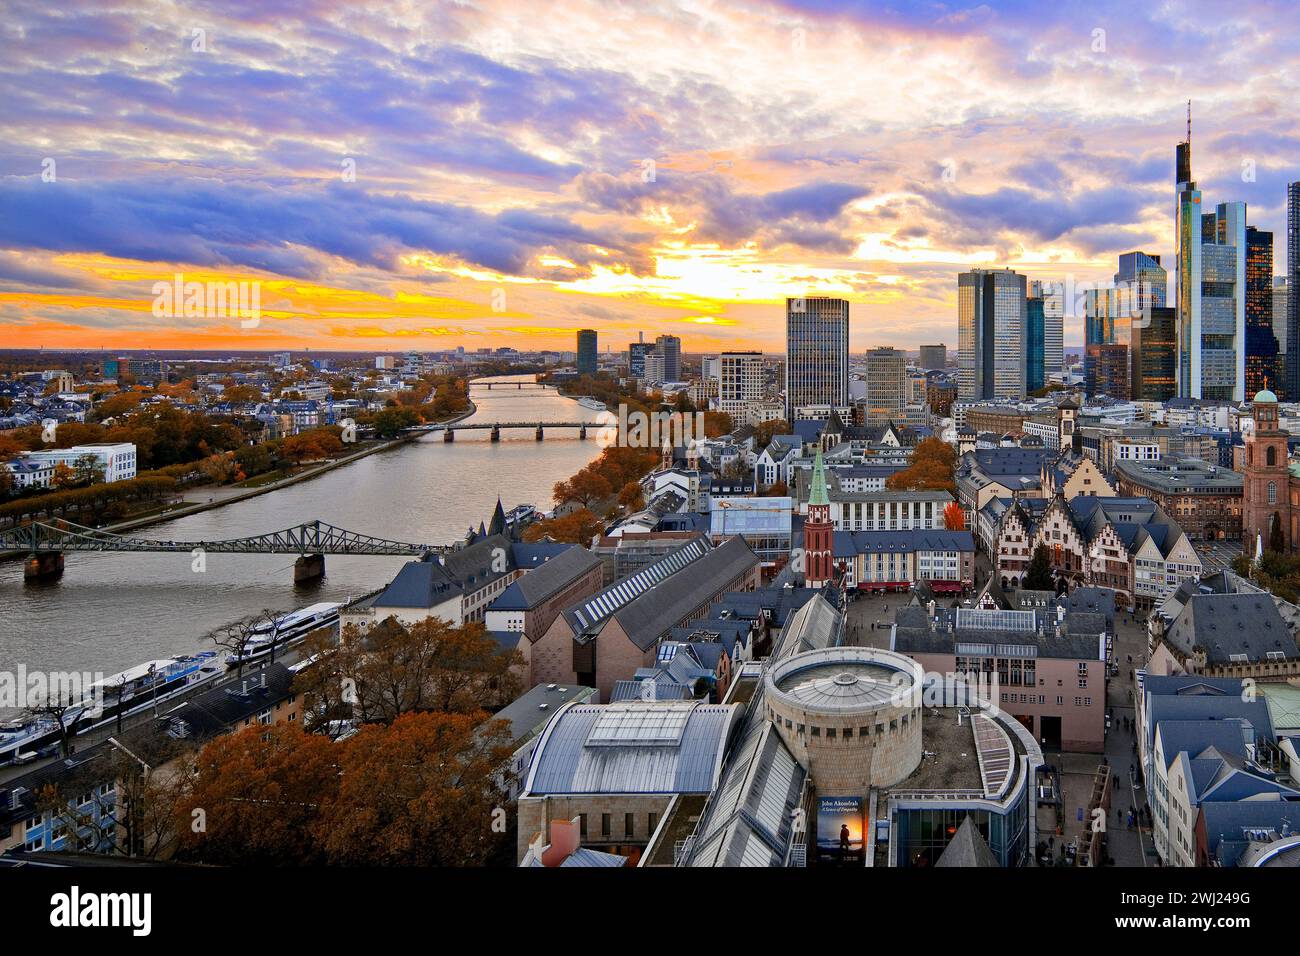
243 687
263 680
565 839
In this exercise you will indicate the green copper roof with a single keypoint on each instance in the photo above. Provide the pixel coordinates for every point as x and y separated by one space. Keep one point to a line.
817 489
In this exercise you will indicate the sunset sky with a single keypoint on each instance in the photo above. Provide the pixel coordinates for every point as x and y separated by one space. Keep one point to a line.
526 169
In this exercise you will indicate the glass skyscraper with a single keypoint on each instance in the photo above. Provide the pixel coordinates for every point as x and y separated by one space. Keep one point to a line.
1261 346
1293 291
1035 377
1107 328
1211 290
670 347
991 334
1153 355
586 351
816 353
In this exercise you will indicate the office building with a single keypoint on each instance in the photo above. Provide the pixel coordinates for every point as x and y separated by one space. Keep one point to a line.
1035 344
669 348
817 353
740 380
653 366
1281 325
636 356
1261 346
1107 323
991 334
1153 356
1210 284
586 351
934 356
1145 278
1293 290
1053 296
116 461
886 386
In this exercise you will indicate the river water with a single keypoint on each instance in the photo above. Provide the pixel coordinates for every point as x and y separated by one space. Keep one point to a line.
112 611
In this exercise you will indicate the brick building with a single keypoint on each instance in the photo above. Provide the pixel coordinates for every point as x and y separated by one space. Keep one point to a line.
1203 497
1270 490
604 638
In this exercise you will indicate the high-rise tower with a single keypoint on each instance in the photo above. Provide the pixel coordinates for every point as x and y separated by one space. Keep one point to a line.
991 339
816 353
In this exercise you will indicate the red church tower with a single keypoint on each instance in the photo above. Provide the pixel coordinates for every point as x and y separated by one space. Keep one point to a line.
818 531
1265 494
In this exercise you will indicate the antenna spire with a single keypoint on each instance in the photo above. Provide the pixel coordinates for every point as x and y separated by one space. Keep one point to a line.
1189 121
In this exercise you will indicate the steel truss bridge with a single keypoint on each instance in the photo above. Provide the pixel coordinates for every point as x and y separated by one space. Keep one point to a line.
309 538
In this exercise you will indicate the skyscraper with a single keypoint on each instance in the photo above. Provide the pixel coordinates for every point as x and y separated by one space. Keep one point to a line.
816 353
586 351
1153 355
740 381
991 334
1281 332
1035 321
636 353
1107 332
1053 296
1261 346
1117 325
1145 278
1210 289
670 347
1293 291
886 386
934 356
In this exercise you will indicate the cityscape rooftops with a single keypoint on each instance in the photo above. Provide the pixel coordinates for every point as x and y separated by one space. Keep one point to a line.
546 580
1178 475
632 747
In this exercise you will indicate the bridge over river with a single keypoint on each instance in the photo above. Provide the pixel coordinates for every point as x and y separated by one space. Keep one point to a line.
46 542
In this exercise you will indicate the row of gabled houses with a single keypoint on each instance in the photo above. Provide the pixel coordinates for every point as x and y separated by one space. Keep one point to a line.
1127 544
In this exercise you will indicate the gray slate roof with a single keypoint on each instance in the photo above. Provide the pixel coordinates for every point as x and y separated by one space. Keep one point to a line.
651 615
552 576
1247 626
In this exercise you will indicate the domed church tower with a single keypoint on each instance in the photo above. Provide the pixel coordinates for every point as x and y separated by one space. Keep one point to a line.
1266 489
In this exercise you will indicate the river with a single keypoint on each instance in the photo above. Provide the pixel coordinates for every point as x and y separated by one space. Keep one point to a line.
111 611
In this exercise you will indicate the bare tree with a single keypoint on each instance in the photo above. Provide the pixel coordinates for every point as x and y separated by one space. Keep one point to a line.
237 636
125 802
65 713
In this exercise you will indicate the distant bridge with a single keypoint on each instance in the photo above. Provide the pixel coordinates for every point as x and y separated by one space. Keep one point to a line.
538 428
46 542
514 386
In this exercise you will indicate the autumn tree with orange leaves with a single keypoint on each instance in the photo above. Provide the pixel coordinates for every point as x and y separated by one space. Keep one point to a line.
577 527
932 469
256 798
391 670
954 519
422 791
426 790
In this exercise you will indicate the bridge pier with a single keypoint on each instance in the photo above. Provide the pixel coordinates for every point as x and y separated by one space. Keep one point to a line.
448 435
539 431
582 433
309 567
496 432
43 566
